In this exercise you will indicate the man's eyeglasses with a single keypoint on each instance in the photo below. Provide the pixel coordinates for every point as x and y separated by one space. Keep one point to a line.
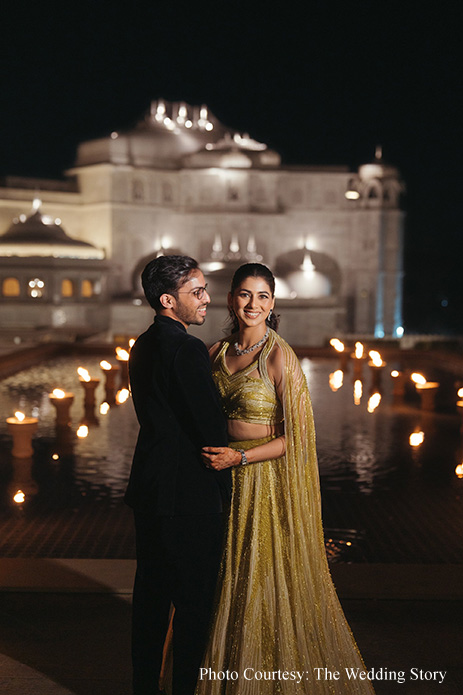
198 292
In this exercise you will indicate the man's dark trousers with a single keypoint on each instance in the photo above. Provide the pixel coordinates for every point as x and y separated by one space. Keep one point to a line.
178 561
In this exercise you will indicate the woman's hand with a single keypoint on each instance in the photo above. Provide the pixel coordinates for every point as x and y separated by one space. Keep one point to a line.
220 457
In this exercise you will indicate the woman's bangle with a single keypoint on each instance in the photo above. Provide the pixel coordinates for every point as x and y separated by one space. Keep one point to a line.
244 460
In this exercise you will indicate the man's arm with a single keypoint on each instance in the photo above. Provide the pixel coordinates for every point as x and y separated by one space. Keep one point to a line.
200 401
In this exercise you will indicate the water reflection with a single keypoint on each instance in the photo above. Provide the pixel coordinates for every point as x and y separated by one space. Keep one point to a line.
376 446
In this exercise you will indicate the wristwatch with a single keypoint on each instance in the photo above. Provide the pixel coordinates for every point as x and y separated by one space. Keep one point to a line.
244 460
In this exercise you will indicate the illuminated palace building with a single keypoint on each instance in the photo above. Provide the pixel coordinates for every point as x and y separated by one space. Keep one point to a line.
71 251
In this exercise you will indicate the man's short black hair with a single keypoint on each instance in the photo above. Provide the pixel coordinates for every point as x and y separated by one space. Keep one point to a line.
165 275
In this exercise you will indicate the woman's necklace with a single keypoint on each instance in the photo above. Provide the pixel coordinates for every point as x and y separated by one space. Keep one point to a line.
245 351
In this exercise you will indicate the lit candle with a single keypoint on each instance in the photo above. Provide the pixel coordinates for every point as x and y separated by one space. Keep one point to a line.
377 366
122 357
416 439
358 358
111 373
22 429
427 392
122 395
89 385
339 346
62 400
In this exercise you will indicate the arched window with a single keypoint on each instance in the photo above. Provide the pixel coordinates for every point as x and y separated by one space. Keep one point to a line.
87 288
67 288
10 287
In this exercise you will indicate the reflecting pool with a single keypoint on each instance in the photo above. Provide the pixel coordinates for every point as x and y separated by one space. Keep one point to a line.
383 498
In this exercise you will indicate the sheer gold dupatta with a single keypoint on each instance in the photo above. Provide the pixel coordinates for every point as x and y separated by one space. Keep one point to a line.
323 635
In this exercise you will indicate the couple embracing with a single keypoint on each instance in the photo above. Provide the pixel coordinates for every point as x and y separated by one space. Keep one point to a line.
226 498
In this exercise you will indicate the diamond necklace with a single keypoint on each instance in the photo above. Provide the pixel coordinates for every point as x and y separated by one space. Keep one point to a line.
245 351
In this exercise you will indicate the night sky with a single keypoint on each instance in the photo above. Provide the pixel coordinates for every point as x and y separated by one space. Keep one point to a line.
321 82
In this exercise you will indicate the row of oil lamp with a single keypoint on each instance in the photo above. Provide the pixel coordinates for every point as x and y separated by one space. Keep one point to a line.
426 389
22 428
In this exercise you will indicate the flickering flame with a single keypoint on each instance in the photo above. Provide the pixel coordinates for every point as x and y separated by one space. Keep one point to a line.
19 416
122 354
418 378
105 365
55 457
395 373
83 373
358 390
358 350
336 379
416 438
58 393
104 408
460 393
376 358
19 497
373 402
337 344
131 342
122 396
459 470
82 431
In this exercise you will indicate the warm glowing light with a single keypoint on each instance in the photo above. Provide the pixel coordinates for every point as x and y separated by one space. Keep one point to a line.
395 373
19 416
58 393
352 195
376 358
358 390
307 264
209 126
19 497
418 378
188 124
336 379
416 438
373 402
36 204
104 408
83 373
131 342
460 393
122 395
459 470
55 457
337 344
358 350
82 431
122 354
105 365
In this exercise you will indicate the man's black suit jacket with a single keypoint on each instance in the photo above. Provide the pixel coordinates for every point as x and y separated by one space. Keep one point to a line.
179 412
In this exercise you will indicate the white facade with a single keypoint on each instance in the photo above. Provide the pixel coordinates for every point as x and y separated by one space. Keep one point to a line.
333 237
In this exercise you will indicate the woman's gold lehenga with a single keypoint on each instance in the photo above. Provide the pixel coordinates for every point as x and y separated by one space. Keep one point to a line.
277 612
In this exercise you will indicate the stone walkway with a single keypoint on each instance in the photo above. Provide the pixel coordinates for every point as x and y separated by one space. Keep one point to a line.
65 626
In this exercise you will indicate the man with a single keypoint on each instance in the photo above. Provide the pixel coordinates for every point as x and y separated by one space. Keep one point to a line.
177 501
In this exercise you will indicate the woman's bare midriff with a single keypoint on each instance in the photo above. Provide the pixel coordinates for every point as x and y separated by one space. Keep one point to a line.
238 430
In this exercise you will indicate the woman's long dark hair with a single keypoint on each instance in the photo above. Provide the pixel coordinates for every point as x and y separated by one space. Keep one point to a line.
253 270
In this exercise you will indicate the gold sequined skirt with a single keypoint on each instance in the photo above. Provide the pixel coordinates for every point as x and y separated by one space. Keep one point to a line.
275 623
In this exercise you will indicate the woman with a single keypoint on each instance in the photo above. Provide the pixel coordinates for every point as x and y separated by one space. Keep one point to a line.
278 622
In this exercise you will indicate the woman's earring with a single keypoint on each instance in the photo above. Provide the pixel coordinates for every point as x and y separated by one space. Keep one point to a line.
269 315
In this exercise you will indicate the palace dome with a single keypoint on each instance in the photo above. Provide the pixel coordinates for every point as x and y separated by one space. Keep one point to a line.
40 235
